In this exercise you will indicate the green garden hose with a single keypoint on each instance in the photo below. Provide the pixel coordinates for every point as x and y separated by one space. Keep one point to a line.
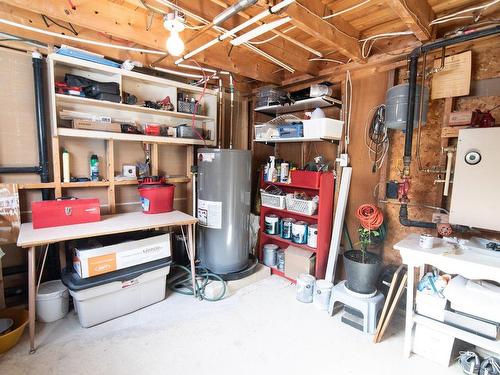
182 282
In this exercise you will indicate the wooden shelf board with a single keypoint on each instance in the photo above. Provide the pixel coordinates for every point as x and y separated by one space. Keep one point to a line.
451 131
84 184
36 185
282 240
275 271
173 180
78 133
311 103
294 139
61 98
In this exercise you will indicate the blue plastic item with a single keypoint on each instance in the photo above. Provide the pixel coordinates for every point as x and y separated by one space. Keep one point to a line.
86 56
293 130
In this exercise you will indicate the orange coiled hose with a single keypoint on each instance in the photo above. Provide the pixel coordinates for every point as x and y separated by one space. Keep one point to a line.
370 217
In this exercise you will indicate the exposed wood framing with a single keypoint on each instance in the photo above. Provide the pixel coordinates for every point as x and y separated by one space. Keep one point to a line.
416 14
110 20
323 31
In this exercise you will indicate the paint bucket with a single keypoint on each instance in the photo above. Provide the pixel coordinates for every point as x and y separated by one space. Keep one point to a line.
312 235
269 256
305 288
426 241
299 232
281 260
322 294
271 224
286 228
52 301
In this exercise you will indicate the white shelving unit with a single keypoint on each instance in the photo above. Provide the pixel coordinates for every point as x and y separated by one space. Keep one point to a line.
300 105
144 87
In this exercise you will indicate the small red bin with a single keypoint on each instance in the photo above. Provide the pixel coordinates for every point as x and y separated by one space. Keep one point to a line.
156 196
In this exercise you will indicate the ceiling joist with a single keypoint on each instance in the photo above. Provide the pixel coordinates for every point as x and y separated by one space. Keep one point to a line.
132 25
330 34
416 14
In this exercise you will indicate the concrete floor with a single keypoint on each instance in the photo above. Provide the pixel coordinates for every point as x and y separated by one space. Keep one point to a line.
260 330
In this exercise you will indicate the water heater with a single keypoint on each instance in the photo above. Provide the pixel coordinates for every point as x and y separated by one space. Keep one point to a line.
475 198
223 209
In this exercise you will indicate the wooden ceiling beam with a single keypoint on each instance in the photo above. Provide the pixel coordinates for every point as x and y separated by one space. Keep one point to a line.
332 36
417 16
132 25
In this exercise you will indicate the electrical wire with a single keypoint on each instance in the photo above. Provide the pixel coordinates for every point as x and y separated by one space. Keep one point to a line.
348 90
374 38
471 9
80 40
328 60
346 10
376 138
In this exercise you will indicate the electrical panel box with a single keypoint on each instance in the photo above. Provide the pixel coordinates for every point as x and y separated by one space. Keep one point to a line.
475 199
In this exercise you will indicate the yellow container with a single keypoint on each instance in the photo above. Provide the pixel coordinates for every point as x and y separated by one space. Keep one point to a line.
20 318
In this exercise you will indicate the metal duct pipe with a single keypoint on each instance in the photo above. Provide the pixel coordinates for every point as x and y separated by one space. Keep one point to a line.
232 10
43 154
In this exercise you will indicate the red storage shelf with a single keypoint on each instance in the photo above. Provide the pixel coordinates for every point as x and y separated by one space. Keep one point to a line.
312 183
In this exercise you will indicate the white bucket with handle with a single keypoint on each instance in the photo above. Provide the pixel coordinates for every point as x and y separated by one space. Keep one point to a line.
52 301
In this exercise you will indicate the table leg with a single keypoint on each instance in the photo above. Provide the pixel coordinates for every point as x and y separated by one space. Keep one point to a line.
192 255
31 296
410 290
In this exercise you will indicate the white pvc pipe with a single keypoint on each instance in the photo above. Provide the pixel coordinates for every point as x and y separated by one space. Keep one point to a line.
80 40
238 28
449 156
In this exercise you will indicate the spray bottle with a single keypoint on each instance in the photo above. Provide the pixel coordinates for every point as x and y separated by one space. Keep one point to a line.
94 168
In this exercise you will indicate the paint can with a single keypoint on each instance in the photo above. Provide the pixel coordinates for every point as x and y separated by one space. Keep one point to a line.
269 256
281 260
426 241
299 232
286 228
271 224
305 288
322 294
312 235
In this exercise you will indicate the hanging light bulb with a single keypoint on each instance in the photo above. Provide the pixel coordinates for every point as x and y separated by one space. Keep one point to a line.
175 45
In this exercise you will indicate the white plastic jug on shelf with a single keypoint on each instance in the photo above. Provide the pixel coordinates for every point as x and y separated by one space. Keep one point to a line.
316 114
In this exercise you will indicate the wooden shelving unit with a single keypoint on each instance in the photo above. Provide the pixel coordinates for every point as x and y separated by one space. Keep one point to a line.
299 105
144 87
324 188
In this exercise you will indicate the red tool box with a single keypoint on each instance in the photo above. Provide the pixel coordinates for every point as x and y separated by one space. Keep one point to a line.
60 212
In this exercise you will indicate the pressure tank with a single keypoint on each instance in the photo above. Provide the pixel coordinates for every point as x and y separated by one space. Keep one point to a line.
223 209
396 106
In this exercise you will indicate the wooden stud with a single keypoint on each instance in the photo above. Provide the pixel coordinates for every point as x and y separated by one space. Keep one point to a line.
387 303
56 166
155 159
394 304
110 160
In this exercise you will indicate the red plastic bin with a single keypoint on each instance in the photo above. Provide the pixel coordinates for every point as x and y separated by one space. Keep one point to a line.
156 196
306 179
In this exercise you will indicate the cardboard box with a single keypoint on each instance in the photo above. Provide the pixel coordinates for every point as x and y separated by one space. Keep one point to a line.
429 305
101 260
95 125
299 261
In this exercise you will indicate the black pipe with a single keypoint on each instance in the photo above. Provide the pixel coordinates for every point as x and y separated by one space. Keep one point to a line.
412 80
43 154
36 170
403 219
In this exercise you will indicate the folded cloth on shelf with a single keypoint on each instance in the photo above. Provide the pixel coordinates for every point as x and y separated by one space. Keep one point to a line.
475 297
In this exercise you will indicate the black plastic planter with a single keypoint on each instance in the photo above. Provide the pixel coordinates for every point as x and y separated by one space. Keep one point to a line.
362 273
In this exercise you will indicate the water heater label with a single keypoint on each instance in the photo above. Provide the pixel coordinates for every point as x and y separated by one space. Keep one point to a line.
210 214
206 156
